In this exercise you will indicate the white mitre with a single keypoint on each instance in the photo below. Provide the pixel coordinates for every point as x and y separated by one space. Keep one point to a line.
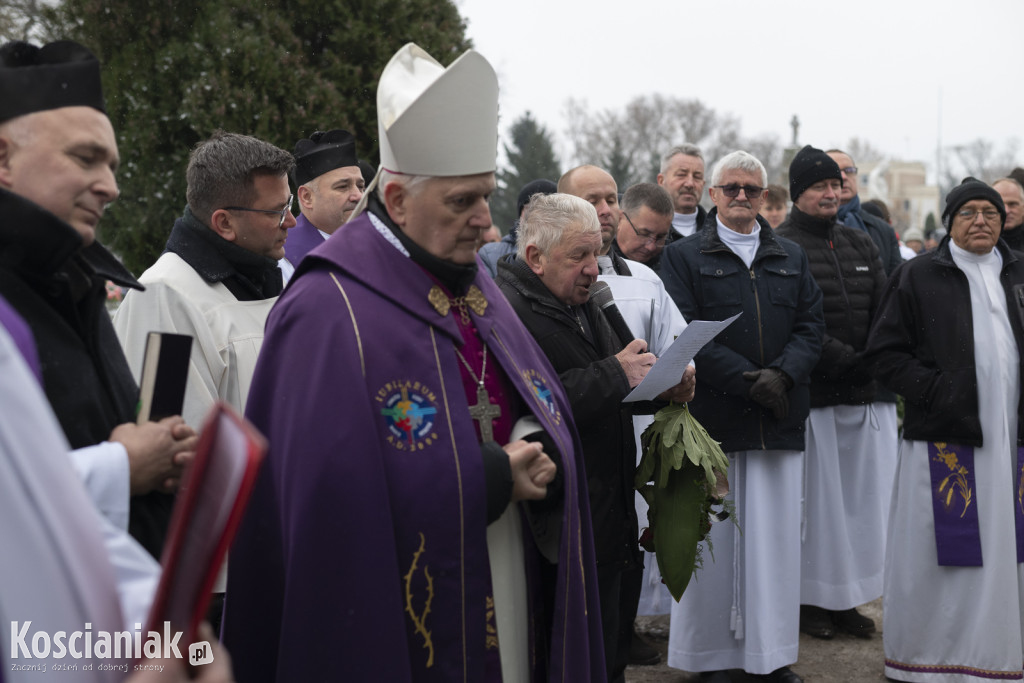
434 121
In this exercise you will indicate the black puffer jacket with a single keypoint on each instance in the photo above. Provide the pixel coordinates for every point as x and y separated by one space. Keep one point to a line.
595 384
922 344
845 264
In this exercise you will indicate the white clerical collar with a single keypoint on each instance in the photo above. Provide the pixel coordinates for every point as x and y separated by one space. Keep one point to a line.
323 234
685 223
744 246
992 258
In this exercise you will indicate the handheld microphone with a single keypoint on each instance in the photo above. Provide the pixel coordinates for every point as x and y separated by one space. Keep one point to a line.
601 293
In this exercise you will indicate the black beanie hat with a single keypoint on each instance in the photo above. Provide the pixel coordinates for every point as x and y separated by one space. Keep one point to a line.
60 74
323 152
809 166
542 186
968 189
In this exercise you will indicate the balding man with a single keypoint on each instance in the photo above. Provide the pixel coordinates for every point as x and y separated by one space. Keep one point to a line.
1013 199
58 160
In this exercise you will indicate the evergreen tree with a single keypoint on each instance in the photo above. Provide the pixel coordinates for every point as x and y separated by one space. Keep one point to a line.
175 72
619 163
531 156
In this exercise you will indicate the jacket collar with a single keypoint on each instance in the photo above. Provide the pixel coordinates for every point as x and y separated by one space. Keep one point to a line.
804 221
618 260
34 241
710 241
944 257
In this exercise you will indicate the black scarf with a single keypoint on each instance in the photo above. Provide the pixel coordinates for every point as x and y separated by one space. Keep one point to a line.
454 276
247 275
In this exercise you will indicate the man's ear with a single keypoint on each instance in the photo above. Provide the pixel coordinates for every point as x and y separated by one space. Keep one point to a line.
535 259
223 223
396 202
305 196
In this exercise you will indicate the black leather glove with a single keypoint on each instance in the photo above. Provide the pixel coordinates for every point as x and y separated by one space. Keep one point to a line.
769 389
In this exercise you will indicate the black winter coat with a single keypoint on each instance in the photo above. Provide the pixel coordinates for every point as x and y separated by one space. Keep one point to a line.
922 344
780 326
595 384
885 239
59 288
845 264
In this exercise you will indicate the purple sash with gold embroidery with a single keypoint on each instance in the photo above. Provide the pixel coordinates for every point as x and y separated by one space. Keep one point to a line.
954 505
955 509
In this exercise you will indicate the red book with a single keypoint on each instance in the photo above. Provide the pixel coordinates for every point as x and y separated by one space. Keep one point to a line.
214 492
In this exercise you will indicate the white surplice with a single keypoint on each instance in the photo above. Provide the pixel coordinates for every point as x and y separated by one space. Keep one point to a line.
742 609
850 464
65 565
962 624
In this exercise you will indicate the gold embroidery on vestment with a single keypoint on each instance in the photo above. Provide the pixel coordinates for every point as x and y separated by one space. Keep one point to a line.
355 325
420 621
491 636
956 480
474 299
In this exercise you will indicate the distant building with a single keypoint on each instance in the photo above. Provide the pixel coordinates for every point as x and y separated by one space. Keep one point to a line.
903 187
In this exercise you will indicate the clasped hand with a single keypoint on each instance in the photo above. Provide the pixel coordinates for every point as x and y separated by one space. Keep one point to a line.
532 470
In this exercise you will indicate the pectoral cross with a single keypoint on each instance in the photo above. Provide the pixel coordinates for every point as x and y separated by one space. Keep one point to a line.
484 412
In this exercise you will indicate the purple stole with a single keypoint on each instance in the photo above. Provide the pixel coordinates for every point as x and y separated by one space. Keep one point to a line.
22 336
499 392
955 509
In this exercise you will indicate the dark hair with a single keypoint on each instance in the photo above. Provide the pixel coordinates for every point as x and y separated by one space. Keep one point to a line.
651 195
222 170
878 208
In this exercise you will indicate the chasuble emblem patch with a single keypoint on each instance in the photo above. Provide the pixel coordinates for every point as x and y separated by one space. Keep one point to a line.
410 410
542 392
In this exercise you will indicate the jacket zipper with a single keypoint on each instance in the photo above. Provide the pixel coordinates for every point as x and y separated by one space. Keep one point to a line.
760 346
842 284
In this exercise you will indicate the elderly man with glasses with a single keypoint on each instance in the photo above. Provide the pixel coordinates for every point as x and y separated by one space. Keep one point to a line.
645 224
218 276
743 613
948 337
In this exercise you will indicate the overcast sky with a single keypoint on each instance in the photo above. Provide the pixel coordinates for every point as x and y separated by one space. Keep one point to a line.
889 71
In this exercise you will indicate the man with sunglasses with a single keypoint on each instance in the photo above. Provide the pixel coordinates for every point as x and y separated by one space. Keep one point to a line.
851 435
218 276
742 609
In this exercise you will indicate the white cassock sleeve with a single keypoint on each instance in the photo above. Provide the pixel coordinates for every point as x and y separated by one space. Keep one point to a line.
104 471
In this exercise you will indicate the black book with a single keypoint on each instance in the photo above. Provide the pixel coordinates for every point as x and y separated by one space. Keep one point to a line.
164 375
